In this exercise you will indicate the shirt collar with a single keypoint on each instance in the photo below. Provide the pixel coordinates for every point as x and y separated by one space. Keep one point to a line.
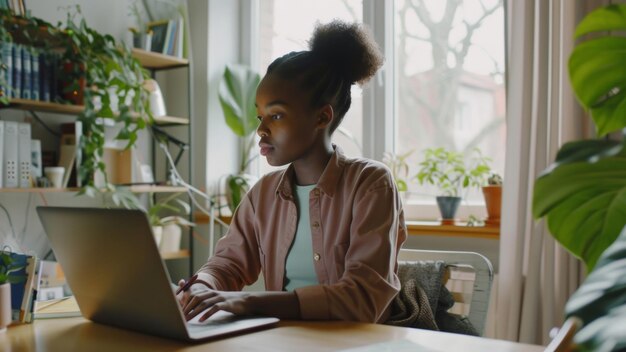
327 182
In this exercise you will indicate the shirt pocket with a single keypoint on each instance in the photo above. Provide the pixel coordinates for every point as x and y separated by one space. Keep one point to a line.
339 255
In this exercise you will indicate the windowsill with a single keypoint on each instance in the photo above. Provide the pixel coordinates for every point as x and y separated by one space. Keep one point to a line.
420 228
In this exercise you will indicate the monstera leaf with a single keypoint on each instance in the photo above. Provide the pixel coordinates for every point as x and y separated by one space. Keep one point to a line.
597 69
600 302
583 196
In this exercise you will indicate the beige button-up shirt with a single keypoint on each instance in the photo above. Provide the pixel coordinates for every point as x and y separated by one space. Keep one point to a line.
357 228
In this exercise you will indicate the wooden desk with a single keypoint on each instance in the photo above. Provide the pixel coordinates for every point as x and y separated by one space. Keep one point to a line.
78 334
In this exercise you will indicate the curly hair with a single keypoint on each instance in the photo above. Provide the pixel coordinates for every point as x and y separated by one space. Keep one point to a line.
341 54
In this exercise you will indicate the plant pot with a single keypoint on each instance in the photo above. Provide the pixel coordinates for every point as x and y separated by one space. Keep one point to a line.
493 202
157 231
5 306
170 242
448 207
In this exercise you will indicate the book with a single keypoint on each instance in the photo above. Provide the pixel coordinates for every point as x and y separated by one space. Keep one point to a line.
35 160
168 37
24 155
17 71
70 153
45 76
35 76
23 293
9 172
27 77
57 308
6 52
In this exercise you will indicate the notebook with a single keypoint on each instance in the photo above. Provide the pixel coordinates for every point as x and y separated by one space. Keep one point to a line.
113 267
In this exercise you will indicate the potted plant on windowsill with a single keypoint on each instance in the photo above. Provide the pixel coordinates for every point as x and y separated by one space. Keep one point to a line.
237 93
493 199
448 171
7 267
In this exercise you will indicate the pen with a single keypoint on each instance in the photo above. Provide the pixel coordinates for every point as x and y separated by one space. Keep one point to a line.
187 284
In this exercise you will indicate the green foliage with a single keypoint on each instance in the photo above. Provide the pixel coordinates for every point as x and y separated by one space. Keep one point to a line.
399 168
583 197
8 266
172 203
448 171
597 69
109 70
237 94
600 302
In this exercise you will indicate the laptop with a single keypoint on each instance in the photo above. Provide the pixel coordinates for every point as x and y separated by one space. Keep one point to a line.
113 266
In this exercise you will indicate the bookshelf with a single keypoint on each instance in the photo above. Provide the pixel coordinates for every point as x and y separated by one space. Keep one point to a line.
134 189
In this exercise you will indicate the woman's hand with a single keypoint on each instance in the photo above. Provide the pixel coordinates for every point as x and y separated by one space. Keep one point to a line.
213 301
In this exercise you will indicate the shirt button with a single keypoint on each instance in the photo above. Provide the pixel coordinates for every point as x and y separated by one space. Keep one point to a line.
316 192
316 257
316 225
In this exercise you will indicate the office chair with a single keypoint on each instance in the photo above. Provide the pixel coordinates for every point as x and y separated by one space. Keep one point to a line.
468 277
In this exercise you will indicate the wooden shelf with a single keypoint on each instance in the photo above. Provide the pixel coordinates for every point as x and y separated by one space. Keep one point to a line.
134 189
25 104
459 229
156 61
184 253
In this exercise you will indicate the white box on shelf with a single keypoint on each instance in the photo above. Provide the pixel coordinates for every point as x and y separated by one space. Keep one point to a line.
1 153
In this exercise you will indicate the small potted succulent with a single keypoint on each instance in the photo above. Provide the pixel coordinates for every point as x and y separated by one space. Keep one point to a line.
167 229
7 267
449 172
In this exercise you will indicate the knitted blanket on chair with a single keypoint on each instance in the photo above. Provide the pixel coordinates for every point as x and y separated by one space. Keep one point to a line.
423 300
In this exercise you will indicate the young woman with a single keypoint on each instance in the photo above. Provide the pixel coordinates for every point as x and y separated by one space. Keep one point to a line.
325 232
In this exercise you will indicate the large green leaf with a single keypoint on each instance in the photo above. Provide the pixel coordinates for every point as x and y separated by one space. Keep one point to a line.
597 69
583 196
237 94
600 302
609 18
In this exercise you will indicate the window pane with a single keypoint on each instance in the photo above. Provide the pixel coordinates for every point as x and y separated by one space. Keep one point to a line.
287 25
449 76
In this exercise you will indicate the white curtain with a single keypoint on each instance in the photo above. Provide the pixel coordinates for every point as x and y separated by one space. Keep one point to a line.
537 275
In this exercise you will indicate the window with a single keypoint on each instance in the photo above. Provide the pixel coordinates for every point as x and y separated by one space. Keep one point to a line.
448 75
449 59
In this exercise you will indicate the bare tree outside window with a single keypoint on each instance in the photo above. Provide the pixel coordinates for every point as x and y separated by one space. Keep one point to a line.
450 68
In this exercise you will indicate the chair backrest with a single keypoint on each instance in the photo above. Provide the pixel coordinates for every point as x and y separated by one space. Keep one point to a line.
469 281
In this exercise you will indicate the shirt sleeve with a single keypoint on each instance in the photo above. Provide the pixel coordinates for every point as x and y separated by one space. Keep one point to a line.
236 261
369 282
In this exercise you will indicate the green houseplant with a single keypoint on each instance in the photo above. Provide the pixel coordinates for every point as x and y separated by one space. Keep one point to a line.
448 171
7 267
583 194
237 93
399 167
167 229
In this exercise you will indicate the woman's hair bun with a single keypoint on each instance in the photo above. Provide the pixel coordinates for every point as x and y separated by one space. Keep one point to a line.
349 47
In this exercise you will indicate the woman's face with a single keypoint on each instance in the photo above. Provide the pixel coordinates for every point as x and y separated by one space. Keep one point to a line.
287 123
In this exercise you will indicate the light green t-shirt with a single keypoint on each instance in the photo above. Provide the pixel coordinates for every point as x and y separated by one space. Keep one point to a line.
299 270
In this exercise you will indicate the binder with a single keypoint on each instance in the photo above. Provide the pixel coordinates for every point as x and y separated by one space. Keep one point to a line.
10 155
7 73
1 153
24 155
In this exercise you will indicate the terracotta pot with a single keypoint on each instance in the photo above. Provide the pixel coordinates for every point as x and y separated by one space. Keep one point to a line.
5 306
493 202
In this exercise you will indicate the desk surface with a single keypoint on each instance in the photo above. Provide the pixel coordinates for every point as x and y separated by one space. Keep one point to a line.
78 334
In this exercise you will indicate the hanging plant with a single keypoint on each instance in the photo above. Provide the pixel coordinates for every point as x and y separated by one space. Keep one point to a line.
103 76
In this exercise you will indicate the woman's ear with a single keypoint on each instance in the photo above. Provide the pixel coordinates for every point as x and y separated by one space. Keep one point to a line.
325 116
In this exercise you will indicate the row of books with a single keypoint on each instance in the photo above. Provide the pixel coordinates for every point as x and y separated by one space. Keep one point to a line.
167 37
21 156
29 72
17 7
